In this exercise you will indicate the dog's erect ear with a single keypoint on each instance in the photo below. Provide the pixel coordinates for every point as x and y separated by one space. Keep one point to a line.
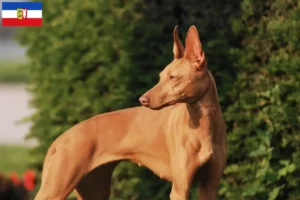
193 48
178 48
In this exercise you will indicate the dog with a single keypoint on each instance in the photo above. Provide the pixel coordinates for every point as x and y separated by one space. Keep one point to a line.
179 133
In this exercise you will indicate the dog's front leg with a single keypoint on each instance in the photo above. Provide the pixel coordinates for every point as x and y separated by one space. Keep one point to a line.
183 168
184 164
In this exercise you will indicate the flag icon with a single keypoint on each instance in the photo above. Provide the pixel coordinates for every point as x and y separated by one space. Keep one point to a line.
22 14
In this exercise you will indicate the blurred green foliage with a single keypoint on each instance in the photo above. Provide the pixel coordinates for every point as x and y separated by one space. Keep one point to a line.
264 120
92 57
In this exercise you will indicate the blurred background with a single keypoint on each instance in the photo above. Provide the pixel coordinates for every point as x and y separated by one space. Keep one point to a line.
14 107
96 56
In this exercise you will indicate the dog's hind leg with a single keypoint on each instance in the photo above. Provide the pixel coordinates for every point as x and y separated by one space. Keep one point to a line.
96 185
63 168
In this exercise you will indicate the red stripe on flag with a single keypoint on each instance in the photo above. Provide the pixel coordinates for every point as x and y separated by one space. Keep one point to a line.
22 22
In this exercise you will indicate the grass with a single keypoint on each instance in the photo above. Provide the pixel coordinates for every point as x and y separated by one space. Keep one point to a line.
12 72
13 158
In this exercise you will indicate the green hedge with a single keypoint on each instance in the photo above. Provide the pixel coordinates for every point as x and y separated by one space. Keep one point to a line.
264 120
92 57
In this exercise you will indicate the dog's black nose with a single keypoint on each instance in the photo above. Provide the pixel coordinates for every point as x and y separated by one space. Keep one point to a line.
144 100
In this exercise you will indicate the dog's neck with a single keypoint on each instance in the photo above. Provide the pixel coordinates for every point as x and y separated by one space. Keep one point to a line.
210 98
207 105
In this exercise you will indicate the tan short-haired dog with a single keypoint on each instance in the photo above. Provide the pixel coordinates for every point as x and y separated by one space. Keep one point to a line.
181 138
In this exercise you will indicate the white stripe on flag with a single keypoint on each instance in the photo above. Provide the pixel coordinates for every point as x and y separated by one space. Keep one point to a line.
13 14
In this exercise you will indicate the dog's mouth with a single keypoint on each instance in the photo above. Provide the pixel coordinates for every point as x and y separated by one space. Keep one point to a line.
173 102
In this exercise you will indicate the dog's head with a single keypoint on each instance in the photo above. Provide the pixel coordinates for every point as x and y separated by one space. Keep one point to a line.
185 79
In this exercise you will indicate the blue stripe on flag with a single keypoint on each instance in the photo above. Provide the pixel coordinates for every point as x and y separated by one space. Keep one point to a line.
15 5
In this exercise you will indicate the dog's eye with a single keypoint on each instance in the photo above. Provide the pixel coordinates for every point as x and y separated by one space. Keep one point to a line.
172 77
